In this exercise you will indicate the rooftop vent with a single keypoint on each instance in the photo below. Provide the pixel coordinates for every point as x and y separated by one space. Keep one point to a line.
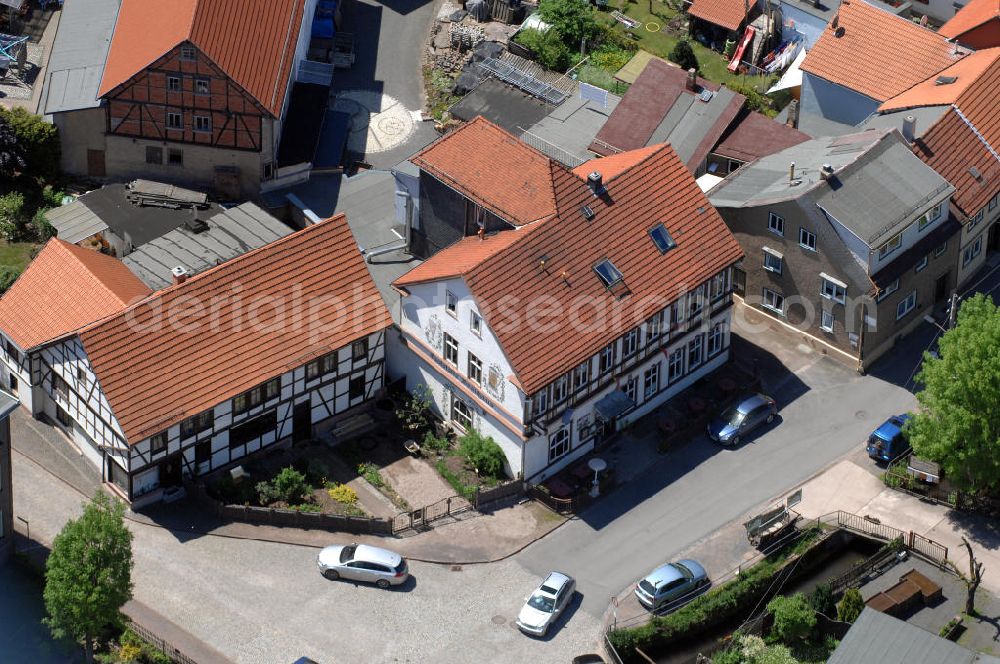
706 95
596 183
945 80
826 172
180 274
543 261
588 212
909 128
196 225
974 172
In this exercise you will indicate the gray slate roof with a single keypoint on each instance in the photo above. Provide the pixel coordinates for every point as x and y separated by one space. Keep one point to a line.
925 117
876 637
230 233
79 52
566 132
75 222
878 182
689 121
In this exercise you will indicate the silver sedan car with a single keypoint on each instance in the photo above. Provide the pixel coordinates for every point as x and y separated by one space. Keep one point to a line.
360 562
546 604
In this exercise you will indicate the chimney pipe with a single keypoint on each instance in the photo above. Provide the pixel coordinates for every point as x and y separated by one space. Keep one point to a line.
826 172
595 183
909 128
180 274
791 172
793 114
692 79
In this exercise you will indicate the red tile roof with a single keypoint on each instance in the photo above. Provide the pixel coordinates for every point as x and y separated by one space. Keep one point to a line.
728 14
974 14
613 166
967 137
656 189
931 92
489 166
756 136
876 53
460 257
65 288
191 346
253 41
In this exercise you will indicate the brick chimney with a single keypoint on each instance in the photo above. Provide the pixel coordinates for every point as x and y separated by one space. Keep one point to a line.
596 183
180 274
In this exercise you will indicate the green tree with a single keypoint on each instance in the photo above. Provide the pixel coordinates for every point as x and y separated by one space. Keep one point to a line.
415 413
482 452
11 151
851 606
88 575
821 600
43 228
794 619
8 275
572 19
39 140
956 424
548 47
683 55
289 486
13 216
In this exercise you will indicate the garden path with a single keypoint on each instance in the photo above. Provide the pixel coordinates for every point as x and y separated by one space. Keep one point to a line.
416 482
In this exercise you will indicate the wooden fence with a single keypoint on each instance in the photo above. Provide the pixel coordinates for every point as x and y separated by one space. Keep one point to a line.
167 649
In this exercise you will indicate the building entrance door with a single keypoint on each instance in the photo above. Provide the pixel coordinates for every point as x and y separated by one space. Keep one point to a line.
941 287
302 421
170 471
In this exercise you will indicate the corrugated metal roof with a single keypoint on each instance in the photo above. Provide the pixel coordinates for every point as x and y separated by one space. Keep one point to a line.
876 637
79 52
230 233
75 222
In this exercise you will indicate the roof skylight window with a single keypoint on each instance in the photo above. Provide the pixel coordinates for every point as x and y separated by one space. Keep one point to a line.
662 238
608 273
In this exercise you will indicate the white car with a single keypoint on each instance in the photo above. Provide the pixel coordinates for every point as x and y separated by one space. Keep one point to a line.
360 562
546 604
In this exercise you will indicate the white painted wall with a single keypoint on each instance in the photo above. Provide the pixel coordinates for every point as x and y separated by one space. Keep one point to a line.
20 368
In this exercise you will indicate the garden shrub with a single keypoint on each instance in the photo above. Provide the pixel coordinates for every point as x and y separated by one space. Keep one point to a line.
548 47
43 229
415 413
129 653
850 606
794 618
821 600
435 443
39 140
343 494
8 275
683 55
317 471
756 100
370 472
13 216
467 492
483 453
289 486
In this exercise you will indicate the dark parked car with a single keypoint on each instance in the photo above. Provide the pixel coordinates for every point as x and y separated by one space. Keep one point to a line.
741 418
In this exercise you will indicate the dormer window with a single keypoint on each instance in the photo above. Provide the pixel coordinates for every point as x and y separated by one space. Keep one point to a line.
608 273
662 238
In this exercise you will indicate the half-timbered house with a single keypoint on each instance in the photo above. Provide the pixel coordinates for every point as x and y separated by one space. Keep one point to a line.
192 378
577 301
196 90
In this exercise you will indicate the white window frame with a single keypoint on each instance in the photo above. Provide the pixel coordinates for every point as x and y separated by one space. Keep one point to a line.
179 123
173 83
630 342
450 346
940 250
581 375
559 444
775 257
970 253
474 369
476 323
773 303
188 53
890 245
584 428
654 327
826 321
651 381
906 305
696 351
606 360
716 339
559 391
675 364
205 120
451 304
921 264
833 289
202 86
974 221
776 224
889 290
466 414
808 234
540 404
631 388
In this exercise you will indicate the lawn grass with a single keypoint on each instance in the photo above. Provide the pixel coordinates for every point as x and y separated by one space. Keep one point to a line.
712 66
16 254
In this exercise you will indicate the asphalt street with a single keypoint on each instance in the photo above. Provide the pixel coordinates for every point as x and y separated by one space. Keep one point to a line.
827 410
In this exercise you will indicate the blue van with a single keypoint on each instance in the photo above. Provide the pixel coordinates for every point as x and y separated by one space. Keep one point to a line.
888 441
